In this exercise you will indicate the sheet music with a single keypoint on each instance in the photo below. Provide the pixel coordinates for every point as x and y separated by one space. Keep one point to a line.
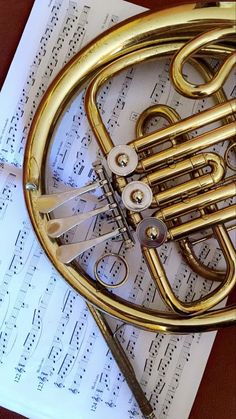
53 361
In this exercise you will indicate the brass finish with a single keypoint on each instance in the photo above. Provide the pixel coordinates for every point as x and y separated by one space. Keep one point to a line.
208 32
186 88
199 143
230 149
210 235
191 123
207 220
103 283
185 166
198 201
211 299
151 36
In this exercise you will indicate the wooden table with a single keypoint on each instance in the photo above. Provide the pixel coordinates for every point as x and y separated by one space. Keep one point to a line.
216 398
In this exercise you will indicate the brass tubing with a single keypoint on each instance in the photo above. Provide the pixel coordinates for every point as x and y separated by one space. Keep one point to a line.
226 181
159 176
191 90
199 143
196 265
157 51
136 33
205 303
163 174
208 220
210 235
187 247
204 181
188 124
172 116
206 71
100 131
161 110
195 203
185 166
184 190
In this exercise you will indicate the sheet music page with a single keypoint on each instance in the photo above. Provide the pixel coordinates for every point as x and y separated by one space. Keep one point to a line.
53 361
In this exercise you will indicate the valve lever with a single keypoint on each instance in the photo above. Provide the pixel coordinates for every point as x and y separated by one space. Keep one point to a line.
67 252
59 226
48 203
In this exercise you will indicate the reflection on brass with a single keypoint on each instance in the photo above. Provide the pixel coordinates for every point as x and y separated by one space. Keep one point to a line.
97 272
209 33
152 36
231 149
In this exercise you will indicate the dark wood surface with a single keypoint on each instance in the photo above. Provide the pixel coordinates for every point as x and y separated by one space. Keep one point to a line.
216 398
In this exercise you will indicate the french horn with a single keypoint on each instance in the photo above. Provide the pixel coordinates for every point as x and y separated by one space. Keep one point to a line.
137 179
134 177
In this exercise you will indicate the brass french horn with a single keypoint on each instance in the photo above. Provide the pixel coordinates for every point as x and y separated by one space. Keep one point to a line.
186 33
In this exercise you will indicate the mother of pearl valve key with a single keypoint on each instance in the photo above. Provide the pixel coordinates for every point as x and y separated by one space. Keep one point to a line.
66 253
48 203
59 226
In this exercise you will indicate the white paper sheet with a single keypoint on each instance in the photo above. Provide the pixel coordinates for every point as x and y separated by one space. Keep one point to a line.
53 361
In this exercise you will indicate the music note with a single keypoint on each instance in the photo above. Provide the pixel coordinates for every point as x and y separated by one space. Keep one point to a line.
120 102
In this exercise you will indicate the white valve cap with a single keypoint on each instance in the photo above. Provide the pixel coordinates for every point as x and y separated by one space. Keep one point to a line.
122 160
137 196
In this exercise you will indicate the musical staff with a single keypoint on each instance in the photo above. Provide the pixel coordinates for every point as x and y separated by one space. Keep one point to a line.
6 193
